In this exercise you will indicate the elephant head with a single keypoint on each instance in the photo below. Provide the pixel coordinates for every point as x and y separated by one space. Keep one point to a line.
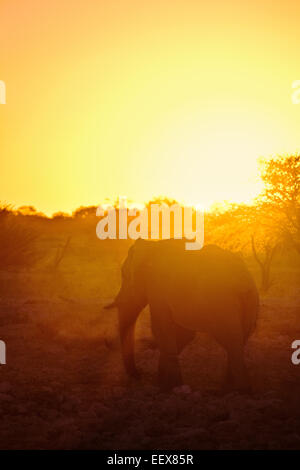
132 298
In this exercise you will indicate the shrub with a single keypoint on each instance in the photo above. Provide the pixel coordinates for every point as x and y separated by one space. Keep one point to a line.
17 241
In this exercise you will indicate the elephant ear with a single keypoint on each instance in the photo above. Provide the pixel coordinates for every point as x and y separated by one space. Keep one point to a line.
138 260
136 263
112 304
115 303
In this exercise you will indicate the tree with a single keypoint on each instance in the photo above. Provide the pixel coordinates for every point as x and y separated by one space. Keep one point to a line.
244 229
264 247
84 212
280 199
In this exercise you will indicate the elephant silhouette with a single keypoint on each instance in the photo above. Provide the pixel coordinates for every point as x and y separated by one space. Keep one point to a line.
210 290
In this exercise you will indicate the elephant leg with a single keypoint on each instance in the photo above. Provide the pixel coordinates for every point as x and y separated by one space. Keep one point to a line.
164 331
233 342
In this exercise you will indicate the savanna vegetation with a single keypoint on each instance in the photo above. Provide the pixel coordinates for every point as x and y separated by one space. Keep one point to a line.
64 386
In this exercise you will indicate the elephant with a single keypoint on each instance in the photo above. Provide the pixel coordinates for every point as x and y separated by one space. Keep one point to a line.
208 290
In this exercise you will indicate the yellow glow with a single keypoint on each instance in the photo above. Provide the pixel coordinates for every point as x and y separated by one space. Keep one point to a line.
168 97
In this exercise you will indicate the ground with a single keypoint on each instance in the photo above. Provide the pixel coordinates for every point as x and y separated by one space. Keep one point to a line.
64 386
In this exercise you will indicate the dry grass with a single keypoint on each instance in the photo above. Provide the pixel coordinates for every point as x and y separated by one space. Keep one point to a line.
64 385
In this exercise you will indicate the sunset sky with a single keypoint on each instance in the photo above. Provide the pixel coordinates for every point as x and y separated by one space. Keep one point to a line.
143 98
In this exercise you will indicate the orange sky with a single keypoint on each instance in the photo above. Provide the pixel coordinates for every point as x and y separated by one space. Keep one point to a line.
142 98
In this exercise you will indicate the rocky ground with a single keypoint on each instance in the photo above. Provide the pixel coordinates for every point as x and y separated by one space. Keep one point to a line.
63 386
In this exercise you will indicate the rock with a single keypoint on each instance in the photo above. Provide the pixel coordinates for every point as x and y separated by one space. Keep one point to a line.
56 350
199 434
67 406
46 389
150 390
88 415
217 411
146 441
182 390
5 397
225 446
21 409
196 397
5 387
276 409
168 407
70 440
48 414
224 430
155 428
292 442
271 394
100 409
118 392
245 445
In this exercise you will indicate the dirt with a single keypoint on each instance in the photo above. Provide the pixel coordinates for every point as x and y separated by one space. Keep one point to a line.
64 386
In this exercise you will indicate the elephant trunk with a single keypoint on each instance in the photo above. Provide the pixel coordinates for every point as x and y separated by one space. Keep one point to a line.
127 328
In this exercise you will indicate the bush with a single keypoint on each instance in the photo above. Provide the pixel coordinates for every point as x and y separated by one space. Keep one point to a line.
17 241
